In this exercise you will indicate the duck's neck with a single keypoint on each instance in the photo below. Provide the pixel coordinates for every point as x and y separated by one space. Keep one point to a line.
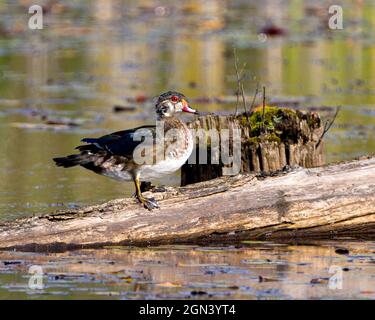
174 123
181 134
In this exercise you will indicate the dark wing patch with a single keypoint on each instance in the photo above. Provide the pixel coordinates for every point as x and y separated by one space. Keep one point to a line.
119 143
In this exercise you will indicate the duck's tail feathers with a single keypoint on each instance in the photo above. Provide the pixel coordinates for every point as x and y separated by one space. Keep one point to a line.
72 160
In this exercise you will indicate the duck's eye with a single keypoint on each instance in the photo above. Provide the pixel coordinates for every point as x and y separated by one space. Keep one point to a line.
174 98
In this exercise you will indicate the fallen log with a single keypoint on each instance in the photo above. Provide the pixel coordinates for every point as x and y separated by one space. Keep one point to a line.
324 202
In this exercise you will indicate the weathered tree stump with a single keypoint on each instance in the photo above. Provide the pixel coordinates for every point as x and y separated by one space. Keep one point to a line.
269 142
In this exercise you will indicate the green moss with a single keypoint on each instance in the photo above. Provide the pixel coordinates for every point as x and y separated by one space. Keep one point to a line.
280 124
253 140
273 137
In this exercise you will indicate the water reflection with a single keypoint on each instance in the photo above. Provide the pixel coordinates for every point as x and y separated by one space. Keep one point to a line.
251 270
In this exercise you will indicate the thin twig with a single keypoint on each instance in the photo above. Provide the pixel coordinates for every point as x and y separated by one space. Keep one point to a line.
242 70
254 98
328 125
243 91
244 100
240 88
238 81
264 107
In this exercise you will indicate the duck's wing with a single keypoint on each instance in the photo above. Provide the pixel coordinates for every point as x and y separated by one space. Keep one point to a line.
120 143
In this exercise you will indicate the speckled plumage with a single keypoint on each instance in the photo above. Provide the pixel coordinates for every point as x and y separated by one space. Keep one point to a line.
113 155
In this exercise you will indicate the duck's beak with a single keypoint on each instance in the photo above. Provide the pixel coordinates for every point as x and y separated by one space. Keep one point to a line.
186 107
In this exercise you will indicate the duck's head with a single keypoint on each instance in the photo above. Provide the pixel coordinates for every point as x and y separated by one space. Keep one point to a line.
171 102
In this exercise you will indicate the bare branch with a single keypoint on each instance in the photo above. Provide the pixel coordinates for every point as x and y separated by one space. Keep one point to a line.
264 107
238 80
254 98
328 125
244 100
240 87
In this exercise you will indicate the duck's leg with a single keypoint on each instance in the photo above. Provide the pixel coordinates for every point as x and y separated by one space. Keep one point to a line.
147 203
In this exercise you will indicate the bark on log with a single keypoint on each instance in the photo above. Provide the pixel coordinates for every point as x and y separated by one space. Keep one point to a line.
303 203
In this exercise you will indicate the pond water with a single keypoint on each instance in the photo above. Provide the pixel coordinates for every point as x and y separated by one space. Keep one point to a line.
94 55
249 270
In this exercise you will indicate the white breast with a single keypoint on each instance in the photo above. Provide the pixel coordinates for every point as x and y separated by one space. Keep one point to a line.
171 164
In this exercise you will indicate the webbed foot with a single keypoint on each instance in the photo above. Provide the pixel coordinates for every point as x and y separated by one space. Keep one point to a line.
148 203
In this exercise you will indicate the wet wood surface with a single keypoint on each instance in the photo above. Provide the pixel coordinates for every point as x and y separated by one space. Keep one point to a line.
303 203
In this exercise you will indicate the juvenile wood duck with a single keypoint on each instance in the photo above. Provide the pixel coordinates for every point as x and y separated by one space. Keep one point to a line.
115 155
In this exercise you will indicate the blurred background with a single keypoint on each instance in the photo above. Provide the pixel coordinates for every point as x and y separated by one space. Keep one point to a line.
97 66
